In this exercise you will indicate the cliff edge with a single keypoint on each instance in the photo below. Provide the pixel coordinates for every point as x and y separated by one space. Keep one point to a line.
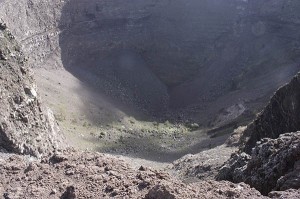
26 126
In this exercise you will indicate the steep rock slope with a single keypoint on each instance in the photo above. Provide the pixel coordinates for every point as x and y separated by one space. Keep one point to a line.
270 164
280 116
273 165
26 126
206 57
35 26
134 51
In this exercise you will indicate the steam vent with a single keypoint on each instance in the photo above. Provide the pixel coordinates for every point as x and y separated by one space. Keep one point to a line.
149 99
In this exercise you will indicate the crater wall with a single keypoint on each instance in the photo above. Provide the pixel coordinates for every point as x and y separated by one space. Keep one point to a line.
160 55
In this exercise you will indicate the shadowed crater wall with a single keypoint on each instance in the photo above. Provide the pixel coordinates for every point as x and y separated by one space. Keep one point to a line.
160 55
156 56
137 51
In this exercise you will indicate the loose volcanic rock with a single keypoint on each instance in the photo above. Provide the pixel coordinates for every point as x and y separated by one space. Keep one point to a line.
204 165
26 126
280 116
97 175
273 165
270 164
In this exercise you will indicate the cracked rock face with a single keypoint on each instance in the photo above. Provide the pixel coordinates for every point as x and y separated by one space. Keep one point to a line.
26 126
272 166
280 116
269 154
34 24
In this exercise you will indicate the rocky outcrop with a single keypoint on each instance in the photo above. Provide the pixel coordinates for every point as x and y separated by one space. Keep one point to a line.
269 155
26 126
273 165
35 23
280 116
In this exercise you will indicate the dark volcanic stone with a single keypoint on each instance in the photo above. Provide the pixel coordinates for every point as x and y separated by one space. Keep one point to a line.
273 165
280 116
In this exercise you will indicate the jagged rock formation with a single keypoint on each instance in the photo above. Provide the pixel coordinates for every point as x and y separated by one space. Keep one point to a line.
26 126
273 165
280 116
270 164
